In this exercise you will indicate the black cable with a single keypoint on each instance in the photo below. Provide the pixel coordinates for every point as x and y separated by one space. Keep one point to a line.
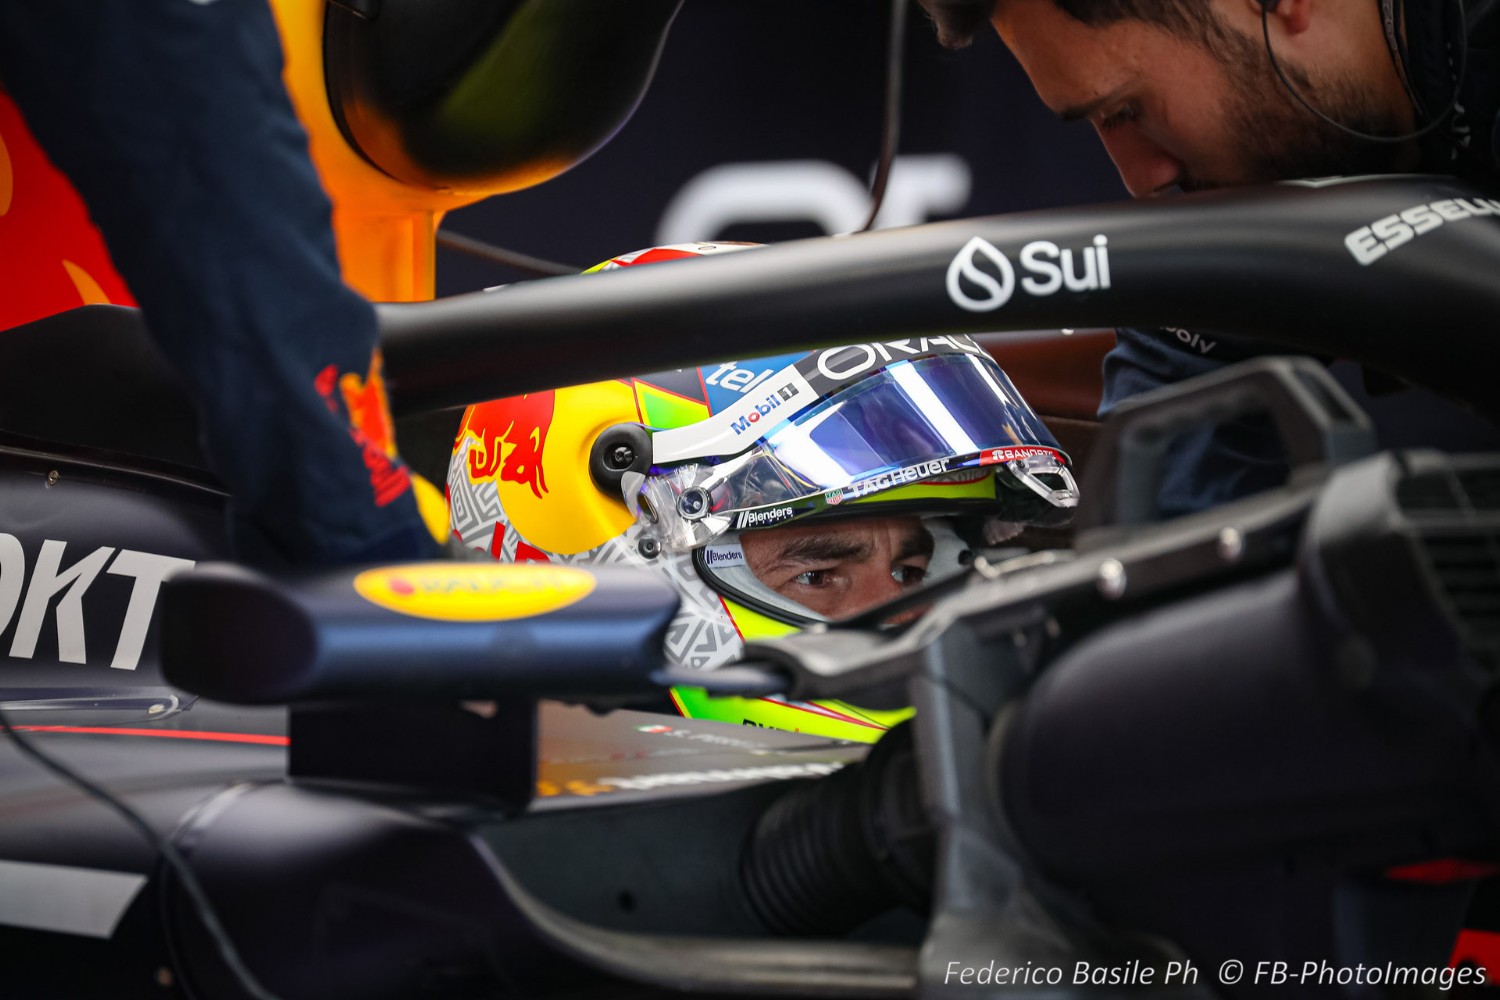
889 142
1462 67
190 884
1476 13
890 136
526 264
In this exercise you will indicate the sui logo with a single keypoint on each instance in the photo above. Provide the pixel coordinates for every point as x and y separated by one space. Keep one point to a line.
981 278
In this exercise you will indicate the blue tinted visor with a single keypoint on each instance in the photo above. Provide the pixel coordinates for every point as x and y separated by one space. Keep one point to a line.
912 421
910 413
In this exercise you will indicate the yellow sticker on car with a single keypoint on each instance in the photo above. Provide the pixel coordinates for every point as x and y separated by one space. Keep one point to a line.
474 592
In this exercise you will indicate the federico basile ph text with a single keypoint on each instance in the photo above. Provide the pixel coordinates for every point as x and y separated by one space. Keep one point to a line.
981 278
1367 244
27 602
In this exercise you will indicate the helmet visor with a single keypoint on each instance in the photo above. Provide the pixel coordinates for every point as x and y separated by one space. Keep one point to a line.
911 421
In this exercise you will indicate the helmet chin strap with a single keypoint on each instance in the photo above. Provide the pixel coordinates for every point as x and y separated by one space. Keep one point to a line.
1388 18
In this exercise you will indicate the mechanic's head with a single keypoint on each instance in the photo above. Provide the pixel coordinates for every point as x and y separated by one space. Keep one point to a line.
772 492
1181 91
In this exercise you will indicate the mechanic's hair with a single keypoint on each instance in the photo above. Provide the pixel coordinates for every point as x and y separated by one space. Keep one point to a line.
958 21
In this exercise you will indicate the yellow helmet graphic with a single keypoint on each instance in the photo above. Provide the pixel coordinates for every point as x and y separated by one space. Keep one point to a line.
772 492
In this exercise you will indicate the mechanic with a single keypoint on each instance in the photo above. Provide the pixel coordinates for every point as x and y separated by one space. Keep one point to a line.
171 119
769 493
1184 97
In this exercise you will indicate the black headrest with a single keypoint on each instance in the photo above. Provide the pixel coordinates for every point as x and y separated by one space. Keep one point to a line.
488 95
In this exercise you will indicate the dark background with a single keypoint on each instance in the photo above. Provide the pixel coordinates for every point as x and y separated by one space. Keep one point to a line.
787 80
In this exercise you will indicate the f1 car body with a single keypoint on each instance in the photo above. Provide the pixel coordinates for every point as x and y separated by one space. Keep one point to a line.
1263 734
1261 731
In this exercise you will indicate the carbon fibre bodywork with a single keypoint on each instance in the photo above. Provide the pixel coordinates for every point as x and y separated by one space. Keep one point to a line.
438 833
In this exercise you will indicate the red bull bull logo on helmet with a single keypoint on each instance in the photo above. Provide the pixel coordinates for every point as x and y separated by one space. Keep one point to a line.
526 420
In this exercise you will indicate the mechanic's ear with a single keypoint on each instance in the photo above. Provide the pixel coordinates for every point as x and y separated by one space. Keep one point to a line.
1294 16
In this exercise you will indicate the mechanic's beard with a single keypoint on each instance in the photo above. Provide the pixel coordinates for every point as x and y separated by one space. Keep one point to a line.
1281 140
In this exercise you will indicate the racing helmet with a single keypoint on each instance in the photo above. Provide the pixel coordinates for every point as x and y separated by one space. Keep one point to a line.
672 471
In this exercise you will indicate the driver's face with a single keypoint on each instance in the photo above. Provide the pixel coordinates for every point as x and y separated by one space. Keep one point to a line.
1174 113
842 568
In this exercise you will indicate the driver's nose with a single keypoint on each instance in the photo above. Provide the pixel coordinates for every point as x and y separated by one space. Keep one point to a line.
1144 166
873 587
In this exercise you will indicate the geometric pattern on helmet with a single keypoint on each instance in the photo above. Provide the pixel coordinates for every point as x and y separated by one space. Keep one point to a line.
473 508
701 635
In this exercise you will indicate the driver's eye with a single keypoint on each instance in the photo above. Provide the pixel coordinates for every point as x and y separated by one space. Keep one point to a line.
909 576
814 578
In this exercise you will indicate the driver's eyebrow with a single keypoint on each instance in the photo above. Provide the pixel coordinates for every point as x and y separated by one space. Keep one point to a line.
812 549
918 543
